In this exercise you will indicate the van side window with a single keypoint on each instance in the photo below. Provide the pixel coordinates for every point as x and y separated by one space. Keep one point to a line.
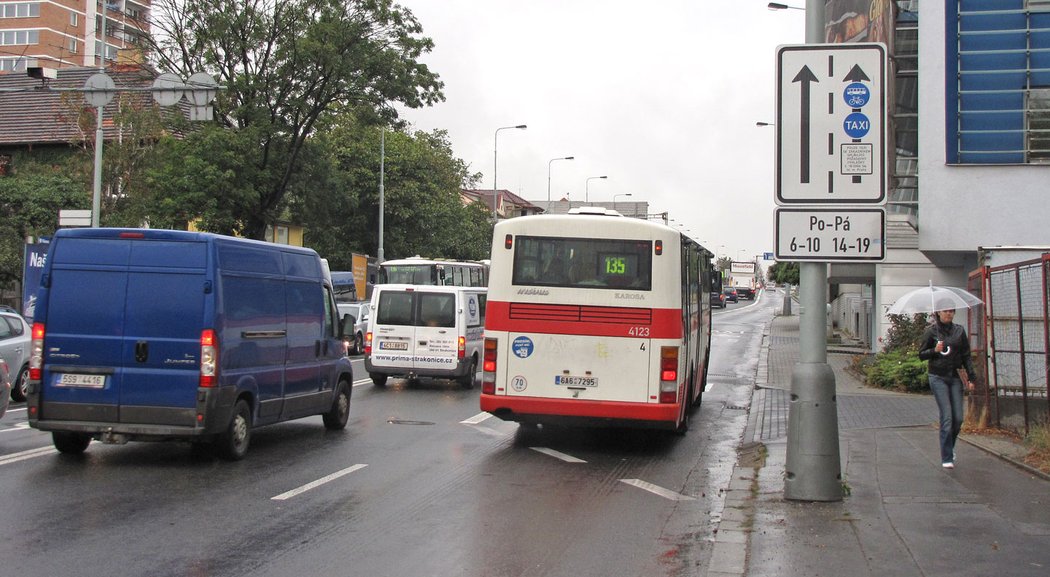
437 310
331 318
305 310
395 308
248 298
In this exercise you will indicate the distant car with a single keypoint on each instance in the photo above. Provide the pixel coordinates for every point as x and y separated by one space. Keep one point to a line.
5 387
355 339
745 292
15 335
718 300
730 294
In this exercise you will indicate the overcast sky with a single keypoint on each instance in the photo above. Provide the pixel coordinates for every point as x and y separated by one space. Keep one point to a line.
660 96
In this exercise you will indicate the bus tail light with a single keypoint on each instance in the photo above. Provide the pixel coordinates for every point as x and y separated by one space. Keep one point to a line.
508 242
461 348
368 343
36 352
488 366
209 358
668 374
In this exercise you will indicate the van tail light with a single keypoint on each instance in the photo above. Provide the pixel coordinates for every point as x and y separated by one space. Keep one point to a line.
36 352
368 343
488 366
462 347
209 358
668 374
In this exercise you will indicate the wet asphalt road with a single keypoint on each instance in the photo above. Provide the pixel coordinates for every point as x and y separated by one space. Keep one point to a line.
419 483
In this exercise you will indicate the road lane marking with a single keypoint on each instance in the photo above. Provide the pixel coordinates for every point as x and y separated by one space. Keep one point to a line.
476 419
557 455
317 483
24 425
24 455
362 382
657 490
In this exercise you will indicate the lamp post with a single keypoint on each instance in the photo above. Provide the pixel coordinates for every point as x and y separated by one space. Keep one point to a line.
586 187
495 141
549 162
779 6
618 195
761 124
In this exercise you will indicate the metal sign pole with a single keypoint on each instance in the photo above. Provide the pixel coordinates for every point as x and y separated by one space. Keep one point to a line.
813 469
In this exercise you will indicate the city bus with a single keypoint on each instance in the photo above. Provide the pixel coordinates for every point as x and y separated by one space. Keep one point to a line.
424 271
596 319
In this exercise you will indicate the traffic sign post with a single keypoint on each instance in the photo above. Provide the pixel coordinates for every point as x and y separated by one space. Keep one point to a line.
831 124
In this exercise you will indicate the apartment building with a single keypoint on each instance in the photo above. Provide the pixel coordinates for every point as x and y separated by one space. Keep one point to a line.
66 33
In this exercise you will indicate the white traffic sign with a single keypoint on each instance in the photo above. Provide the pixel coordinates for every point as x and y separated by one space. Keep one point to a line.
831 124
830 234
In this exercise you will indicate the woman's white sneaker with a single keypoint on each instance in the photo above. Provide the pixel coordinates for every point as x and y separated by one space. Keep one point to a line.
948 465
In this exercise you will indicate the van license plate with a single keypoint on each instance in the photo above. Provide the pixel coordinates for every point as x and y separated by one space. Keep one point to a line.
576 381
79 380
393 346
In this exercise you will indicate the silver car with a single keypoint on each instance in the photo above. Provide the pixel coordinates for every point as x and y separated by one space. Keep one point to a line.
15 335
355 339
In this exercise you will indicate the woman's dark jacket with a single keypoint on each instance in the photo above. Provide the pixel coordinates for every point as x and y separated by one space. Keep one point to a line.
954 336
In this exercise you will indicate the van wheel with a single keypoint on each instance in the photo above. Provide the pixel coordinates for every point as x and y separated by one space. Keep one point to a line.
233 444
18 392
336 417
70 443
378 379
467 380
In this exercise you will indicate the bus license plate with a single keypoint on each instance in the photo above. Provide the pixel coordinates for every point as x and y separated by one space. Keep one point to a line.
79 380
393 346
576 381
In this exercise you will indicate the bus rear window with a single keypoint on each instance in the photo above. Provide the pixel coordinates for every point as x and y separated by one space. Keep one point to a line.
583 263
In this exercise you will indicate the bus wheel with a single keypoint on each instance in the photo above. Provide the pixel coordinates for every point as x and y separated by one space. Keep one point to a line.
683 425
70 443
335 419
378 379
467 380
233 444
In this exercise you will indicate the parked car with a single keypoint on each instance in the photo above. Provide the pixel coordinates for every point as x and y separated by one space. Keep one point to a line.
355 340
718 300
730 294
5 387
15 335
745 292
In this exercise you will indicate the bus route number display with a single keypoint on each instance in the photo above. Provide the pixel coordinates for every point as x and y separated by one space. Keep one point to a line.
830 235
617 265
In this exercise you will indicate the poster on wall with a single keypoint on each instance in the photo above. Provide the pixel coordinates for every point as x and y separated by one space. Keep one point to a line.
859 21
35 256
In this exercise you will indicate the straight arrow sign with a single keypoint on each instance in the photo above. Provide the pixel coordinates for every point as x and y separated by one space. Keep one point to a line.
831 124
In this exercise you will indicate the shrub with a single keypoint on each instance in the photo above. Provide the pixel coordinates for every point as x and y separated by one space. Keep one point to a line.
898 370
905 332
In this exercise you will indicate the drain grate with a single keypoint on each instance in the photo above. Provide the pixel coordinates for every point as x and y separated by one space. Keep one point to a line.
407 422
736 407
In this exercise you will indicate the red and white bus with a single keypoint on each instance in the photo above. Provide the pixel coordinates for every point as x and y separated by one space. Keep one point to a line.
596 319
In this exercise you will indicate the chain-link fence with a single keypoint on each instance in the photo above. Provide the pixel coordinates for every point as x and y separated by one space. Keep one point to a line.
1011 335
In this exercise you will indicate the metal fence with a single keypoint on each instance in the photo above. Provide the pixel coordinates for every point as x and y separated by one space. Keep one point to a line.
1010 333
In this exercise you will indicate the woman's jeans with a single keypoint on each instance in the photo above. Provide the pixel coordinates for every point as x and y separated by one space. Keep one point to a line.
948 391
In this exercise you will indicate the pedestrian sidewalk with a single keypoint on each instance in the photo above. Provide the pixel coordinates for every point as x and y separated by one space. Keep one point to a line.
901 514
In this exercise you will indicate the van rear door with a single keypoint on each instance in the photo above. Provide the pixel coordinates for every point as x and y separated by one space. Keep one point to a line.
123 330
393 342
436 336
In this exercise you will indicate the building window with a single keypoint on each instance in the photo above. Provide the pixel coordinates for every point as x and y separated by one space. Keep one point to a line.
997 82
16 37
20 10
72 45
12 64
74 19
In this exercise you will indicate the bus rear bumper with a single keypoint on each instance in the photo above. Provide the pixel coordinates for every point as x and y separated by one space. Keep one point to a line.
533 410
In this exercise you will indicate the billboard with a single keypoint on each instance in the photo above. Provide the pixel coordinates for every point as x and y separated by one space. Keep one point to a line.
742 268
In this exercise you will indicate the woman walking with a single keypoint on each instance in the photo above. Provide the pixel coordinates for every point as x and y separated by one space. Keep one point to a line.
947 348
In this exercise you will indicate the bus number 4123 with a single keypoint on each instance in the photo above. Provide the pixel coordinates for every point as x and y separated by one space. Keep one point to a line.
638 331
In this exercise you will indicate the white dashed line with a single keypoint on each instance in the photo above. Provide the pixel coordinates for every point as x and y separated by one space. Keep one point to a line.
317 483
657 490
476 419
23 455
557 455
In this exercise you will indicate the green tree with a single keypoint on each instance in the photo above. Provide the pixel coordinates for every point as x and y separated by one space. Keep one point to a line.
783 272
287 66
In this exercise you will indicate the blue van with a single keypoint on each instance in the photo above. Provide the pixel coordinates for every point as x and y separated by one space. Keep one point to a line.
159 334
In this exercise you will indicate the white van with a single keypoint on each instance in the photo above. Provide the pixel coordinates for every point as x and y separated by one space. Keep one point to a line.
425 331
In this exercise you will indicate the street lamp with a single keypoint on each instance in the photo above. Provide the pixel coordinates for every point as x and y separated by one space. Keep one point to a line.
586 187
761 124
549 177
618 195
779 6
495 140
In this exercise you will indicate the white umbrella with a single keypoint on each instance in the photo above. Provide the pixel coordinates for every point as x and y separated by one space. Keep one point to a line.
932 299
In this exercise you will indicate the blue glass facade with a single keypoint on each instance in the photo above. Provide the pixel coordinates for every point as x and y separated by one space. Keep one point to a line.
997 53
